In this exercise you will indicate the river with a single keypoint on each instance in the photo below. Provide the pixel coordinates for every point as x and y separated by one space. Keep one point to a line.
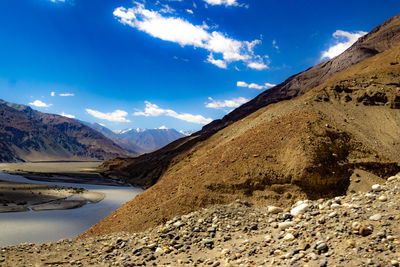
53 225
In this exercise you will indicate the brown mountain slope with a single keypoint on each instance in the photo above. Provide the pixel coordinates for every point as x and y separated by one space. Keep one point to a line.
306 147
29 135
145 170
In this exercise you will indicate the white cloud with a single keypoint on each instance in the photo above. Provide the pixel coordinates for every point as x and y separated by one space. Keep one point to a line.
189 11
217 62
343 41
115 116
68 115
66 94
52 93
55 1
254 85
242 84
167 9
152 110
269 85
222 2
257 65
179 30
40 104
274 45
231 103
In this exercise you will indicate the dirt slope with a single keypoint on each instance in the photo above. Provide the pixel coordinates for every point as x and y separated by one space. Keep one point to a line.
307 147
146 170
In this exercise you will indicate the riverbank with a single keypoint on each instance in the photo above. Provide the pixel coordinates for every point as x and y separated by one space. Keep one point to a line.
24 196
52 223
19 197
69 171
354 230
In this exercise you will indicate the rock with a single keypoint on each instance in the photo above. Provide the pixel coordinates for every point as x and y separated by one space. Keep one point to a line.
208 242
376 187
159 251
274 210
211 229
375 217
365 230
392 178
285 225
253 226
394 263
323 263
355 226
321 246
298 210
289 237
108 249
383 198
178 224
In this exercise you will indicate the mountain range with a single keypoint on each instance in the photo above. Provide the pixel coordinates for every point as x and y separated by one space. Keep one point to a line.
139 141
302 139
30 135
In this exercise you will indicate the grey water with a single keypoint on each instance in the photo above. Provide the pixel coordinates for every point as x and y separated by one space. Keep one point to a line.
53 225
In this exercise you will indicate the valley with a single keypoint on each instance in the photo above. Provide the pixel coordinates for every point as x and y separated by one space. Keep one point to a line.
274 149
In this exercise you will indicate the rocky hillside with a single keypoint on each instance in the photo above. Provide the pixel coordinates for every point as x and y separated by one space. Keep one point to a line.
144 171
307 147
29 135
356 230
139 141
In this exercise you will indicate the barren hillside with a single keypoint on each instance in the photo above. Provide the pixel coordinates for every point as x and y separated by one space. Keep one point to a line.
307 147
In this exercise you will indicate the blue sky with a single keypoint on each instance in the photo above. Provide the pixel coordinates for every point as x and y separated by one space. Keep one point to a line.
174 63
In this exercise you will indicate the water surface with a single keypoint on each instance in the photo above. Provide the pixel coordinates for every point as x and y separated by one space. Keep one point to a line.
53 225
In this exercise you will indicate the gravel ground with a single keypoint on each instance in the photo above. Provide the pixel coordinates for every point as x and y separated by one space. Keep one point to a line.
354 230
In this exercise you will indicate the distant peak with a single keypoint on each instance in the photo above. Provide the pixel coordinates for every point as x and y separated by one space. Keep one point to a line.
163 128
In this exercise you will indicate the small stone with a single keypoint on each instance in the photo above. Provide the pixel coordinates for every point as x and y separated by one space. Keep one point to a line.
152 245
376 187
321 246
392 178
391 237
178 224
274 210
323 263
300 209
253 226
285 225
394 263
289 237
313 256
332 214
211 229
356 226
375 217
365 230
383 198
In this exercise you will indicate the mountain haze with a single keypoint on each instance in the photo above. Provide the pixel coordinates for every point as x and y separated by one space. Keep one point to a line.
30 135
139 141
302 139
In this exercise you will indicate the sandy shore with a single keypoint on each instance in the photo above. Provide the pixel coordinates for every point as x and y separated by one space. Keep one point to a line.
17 197
69 172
